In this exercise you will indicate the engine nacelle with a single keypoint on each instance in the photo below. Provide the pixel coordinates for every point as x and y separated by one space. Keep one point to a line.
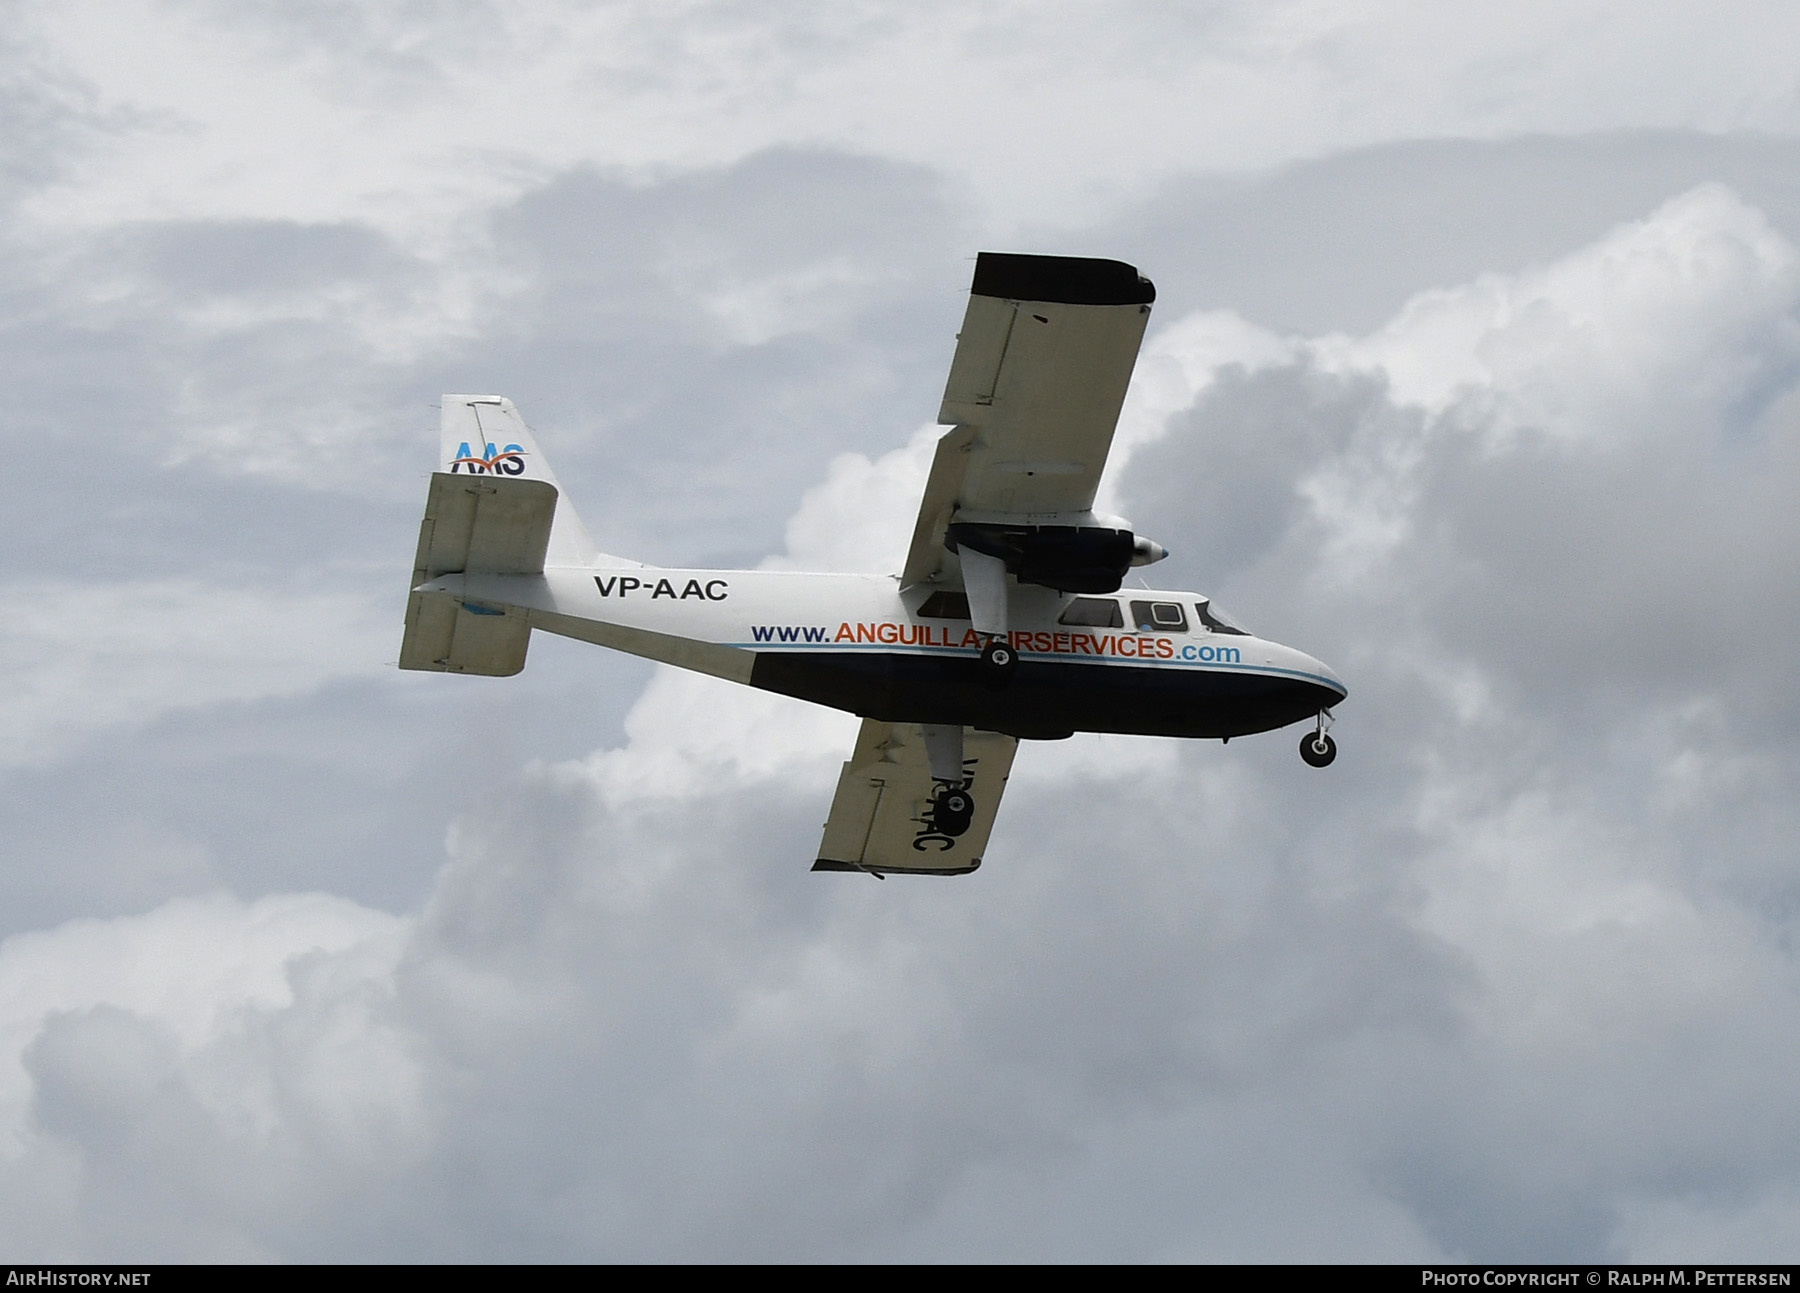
1068 558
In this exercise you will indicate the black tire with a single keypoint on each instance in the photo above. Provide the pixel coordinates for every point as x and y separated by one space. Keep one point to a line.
998 662
953 811
1318 750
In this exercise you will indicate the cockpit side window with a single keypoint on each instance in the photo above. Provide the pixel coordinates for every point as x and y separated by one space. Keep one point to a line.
1093 613
1159 617
1217 620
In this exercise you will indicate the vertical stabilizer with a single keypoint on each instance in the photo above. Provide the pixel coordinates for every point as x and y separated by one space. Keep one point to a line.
483 435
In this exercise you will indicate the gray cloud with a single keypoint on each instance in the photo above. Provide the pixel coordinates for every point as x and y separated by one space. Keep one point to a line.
1513 979
192 260
1340 243
1226 477
791 306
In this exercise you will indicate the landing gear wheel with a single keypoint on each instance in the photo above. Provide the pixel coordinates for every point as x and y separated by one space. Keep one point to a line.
1318 749
952 811
998 662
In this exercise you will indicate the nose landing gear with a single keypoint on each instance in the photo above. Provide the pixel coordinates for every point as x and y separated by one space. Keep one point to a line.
1317 748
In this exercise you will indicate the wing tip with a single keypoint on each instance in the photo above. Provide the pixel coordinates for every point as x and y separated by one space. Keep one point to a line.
832 864
1067 280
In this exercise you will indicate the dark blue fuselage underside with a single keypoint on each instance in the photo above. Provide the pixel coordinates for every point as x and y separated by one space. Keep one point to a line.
1045 700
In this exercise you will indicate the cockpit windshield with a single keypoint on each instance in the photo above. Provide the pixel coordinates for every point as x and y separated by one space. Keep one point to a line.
1217 620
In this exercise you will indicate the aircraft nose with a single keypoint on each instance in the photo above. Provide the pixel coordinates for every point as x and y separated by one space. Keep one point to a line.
1322 675
1330 679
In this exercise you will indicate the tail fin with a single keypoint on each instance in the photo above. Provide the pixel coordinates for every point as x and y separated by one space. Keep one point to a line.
494 508
483 435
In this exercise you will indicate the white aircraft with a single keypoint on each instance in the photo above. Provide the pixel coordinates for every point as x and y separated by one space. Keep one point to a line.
1006 622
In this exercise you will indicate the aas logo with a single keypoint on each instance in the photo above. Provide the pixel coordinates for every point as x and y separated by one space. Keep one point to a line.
509 461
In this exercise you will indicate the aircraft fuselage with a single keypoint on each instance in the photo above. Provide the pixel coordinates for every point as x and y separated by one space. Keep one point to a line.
863 644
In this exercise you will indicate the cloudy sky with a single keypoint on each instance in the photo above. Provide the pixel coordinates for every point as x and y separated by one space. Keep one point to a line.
1475 371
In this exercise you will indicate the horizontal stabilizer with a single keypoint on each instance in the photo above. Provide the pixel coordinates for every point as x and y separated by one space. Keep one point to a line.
883 819
475 525
448 637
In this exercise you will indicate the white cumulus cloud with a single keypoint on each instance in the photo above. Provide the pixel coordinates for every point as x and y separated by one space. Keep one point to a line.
1513 979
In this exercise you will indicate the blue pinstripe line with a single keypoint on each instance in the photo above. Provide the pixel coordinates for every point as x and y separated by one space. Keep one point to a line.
1108 661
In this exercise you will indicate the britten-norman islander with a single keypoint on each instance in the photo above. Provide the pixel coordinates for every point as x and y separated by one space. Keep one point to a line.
1006 623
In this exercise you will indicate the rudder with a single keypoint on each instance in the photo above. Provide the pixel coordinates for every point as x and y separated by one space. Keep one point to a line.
483 435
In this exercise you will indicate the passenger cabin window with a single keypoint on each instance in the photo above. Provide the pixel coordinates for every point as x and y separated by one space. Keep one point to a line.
945 606
1218 621
1093 613
1159 617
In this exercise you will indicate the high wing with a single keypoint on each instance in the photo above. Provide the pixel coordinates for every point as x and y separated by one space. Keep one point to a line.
883 818
1039 375
1041 366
